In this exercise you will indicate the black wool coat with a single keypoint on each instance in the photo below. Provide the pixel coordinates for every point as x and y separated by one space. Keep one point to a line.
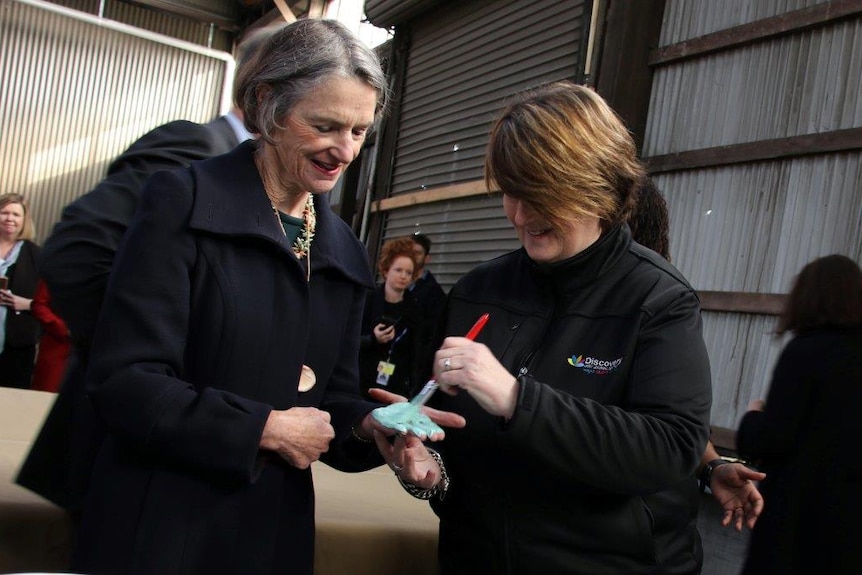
75 263
807 442
207 321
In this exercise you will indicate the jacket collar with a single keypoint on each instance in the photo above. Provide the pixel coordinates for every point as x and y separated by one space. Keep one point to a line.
230 201
582 269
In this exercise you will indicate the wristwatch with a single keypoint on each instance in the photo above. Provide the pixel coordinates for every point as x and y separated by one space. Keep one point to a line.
705 476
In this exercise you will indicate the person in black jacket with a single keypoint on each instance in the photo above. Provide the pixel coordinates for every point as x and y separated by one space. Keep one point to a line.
806 434
75 263
588 393
19 330
393 346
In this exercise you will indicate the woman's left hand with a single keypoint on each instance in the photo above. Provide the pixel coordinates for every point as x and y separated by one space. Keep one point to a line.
732 484
461 363
383 333
442 418
13 301
408 457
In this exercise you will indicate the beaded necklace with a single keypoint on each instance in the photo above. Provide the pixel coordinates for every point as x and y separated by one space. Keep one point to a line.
302 244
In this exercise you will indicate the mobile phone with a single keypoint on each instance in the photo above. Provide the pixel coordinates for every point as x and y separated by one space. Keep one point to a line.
387 320
4 282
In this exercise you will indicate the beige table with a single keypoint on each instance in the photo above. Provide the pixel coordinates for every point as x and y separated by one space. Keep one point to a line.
366 524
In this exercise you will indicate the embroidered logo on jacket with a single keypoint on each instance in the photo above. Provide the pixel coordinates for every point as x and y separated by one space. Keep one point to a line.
593 365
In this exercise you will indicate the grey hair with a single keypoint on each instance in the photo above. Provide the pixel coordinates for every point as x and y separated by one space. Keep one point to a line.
245 49
292 62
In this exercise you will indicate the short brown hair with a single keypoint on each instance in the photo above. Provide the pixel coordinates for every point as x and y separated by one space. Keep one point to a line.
393 249
28 229
826 293
566 153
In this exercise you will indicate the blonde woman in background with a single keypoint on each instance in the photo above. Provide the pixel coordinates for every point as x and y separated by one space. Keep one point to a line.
19 330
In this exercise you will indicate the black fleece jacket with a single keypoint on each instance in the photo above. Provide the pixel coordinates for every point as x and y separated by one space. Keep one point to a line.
594 472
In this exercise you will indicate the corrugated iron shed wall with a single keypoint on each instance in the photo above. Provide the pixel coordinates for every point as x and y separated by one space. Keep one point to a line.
464 61
464 232
460 72
686 19
75 92
170 25
751 226
195 30
386 13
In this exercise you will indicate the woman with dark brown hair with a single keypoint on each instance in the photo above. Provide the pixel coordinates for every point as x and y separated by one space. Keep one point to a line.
806 434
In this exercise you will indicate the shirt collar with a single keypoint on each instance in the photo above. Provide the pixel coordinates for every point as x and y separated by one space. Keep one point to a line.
238 127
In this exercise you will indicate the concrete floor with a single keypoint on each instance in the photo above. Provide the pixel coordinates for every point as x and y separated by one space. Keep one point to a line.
723 548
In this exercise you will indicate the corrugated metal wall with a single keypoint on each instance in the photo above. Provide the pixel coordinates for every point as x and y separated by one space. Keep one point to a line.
75 91
170 25
173 25
750 227
465 232
464 61
386 13
685 19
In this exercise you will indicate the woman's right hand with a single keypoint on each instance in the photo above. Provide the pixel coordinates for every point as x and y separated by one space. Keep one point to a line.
299 434
383 334
461 363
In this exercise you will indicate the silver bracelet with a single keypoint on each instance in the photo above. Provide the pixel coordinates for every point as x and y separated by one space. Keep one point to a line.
358 437
440 489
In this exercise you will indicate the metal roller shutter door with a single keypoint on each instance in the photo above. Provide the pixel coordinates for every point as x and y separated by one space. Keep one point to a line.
464 61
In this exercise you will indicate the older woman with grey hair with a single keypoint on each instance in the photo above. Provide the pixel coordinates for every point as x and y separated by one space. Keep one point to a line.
226 358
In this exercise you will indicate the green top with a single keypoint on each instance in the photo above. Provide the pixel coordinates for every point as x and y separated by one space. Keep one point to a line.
292 226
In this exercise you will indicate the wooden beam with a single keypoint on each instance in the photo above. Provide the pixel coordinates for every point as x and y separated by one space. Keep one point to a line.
431 195
720 301
742 302
285 11
317 8
724 440
783 24
791 147
623 77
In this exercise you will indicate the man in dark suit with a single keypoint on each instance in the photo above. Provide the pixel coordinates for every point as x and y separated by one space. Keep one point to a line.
76 263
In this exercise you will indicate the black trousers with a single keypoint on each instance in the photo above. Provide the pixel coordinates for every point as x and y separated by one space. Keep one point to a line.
16 366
